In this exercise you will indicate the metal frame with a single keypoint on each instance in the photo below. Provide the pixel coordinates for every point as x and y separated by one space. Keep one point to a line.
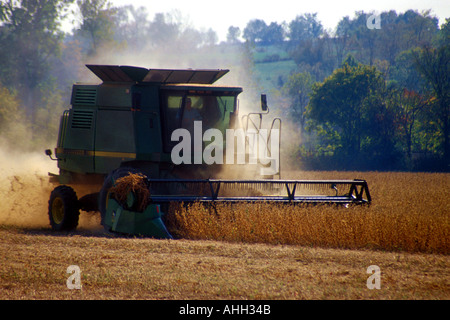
246 119
358 192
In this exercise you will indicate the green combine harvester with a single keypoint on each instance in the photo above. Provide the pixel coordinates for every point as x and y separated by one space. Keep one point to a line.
118 138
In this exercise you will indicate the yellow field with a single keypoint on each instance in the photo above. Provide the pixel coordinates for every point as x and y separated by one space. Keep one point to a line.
410 212
244 252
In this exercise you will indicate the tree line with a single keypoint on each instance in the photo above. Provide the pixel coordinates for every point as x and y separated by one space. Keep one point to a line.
39 61
368 98
357 95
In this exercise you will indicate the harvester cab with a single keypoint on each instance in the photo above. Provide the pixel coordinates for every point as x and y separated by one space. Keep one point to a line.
144 138
128 120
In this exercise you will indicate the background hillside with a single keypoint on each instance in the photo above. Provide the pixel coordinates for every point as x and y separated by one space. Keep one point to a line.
361 96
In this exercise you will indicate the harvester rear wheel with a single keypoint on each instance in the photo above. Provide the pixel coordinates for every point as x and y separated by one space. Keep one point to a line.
63 209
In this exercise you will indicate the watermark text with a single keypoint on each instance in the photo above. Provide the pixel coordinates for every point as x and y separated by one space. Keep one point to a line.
261 146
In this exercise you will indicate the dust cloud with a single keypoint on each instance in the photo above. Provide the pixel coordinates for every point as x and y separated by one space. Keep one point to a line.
25 190
24 185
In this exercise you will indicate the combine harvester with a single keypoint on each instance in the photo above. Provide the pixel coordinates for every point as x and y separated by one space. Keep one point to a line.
120 137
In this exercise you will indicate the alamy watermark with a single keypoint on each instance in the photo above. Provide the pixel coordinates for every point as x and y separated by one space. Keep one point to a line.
262 146
374 281
74 280
374 22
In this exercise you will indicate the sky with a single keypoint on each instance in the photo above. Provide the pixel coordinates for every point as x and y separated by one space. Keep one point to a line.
219 15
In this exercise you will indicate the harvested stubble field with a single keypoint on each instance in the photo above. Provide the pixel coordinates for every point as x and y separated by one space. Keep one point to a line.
243 252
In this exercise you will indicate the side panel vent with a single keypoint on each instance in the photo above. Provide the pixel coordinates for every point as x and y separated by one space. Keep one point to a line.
85 96
63 128
82 119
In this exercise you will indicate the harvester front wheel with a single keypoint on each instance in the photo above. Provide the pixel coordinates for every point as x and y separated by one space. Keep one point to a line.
63 209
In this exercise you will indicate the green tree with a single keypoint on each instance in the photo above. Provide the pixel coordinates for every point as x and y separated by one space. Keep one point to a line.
404 74
98 18
315 56
31 44
132 25
443 36
233 34
254 31
210 37
298 87
420 28
346 101
305 27
398 32
163 31
366 40
12 129
404 31
409 105
434 65
273 34
30 38
342 39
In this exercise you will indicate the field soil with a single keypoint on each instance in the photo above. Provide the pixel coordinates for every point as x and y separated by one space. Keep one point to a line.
411 253
35 262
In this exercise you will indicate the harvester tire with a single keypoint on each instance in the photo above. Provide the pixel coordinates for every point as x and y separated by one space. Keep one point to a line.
107 184
63 209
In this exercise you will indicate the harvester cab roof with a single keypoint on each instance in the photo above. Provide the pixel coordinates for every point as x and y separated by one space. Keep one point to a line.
109 73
